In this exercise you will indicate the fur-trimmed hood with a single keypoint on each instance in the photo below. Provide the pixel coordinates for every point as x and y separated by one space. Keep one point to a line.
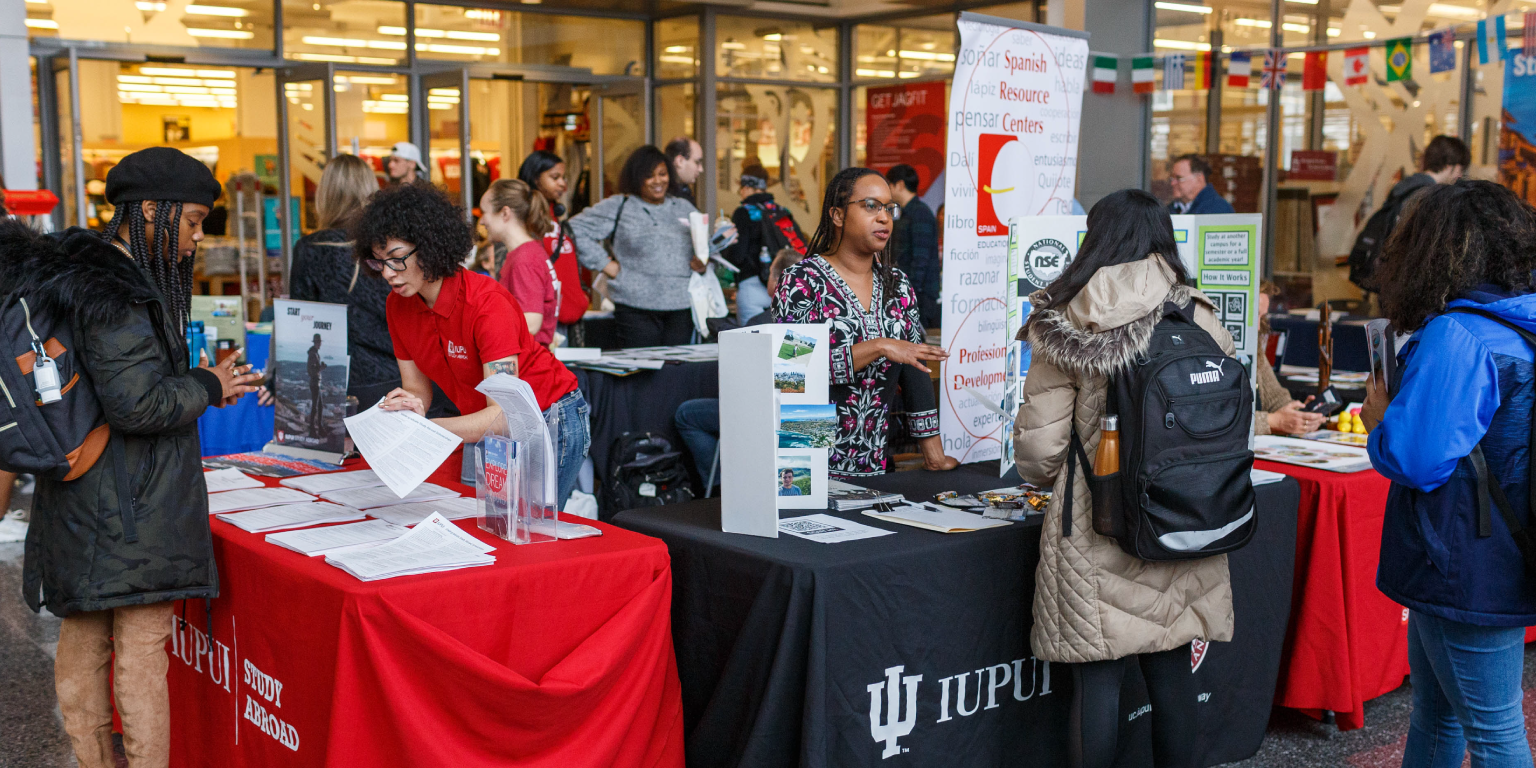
75 271
1110 320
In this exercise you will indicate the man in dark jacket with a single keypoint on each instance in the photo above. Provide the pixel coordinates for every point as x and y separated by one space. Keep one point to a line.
915 240
110 550
1192 194
758 241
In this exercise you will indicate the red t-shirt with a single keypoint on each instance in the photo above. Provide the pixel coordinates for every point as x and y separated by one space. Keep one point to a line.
573 300
475 320
530 277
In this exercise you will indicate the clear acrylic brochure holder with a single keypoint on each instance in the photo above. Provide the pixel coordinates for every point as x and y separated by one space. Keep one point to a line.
521 440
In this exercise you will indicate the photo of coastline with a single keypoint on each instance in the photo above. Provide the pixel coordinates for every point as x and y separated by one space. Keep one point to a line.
807 426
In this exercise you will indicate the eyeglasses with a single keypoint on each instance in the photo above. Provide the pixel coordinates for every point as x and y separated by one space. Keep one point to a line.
1179 179
871 205
397 265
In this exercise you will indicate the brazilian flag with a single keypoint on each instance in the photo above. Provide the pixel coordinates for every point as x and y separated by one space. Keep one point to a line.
1399 59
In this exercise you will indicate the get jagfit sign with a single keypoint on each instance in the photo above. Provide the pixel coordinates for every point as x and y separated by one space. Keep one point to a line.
1015 105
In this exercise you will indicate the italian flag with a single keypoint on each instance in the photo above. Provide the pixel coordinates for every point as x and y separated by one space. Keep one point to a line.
1141 75
1105 72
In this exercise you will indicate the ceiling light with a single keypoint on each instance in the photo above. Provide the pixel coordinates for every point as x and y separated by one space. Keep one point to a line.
228 34
394 97
1185 7
151 7
1260 23
773 36
484 37
1302 28
218 73
1335 31
482 15
927 56
42 24
133 79
874 73
1181 45
216 10
462 50
366 79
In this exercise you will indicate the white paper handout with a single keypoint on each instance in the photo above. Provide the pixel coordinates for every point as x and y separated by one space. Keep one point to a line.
936 518
252 498
1309 453
401 446
333 481
231 479
1264 476
411 513
435 544
291 516
380 496
828 529
332 539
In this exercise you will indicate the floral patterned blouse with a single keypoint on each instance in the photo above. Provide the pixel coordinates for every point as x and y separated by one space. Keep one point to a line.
812 292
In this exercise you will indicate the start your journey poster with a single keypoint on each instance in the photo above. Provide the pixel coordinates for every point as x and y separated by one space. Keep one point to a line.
1014 110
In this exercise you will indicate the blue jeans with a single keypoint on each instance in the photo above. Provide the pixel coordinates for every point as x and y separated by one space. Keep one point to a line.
699 422
570 429
751 299
1466 695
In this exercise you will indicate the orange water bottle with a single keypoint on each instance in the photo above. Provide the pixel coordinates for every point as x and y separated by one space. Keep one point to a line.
1107 460
1105 482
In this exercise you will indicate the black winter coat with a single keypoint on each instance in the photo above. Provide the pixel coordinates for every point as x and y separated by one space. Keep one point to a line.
78 557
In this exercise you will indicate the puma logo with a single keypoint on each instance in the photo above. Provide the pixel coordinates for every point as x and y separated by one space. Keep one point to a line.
1208 377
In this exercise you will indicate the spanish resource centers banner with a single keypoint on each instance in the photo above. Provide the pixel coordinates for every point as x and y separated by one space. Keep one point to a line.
1014 106
904 123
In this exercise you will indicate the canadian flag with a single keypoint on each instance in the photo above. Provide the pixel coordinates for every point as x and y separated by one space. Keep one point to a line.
1357 66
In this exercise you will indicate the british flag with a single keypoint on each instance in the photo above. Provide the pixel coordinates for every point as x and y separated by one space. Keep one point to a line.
1274 70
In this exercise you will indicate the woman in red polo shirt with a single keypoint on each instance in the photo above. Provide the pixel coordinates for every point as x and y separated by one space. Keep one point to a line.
455 328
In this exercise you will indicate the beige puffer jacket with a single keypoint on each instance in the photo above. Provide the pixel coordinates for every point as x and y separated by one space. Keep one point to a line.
1094 602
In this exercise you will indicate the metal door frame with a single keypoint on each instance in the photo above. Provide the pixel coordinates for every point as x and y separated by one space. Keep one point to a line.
609 90
324 73
457 79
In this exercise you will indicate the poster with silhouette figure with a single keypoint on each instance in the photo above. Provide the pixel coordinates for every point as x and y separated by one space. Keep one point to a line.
309 371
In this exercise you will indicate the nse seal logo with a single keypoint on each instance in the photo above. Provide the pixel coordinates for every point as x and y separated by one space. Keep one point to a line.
1045 260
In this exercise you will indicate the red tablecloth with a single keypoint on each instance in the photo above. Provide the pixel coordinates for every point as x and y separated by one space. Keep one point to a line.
1347 642
560 654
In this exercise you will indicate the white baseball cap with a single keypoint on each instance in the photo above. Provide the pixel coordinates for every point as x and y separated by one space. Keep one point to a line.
408 151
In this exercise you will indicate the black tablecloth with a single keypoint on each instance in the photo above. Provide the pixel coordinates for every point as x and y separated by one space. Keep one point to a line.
783 644
644 401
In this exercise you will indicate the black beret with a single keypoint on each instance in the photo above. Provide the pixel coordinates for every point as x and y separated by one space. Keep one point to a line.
161 173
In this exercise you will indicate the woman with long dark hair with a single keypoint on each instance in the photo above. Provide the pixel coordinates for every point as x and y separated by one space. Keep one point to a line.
1456 273
648 270
877 339
324 270
544 171
1096 607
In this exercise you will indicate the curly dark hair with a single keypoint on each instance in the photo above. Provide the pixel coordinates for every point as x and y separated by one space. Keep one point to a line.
639 167
420 215
1452 238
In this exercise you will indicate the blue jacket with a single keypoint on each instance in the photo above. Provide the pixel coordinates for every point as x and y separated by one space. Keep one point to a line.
1464 379
1208 201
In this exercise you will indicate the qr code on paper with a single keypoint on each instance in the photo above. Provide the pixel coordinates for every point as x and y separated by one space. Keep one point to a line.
807 526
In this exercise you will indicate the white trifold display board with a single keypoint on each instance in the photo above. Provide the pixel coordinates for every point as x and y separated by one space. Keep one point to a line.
777 425
1219 252
1015 104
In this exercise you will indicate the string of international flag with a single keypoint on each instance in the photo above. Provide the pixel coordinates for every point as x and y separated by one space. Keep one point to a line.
1197 71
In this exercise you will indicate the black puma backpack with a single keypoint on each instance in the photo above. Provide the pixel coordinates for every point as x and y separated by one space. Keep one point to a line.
1185 412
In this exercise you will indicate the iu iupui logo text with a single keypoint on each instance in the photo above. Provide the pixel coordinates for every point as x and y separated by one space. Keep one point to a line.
891 724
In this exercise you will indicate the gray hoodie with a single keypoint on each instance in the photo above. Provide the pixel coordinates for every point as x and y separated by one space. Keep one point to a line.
652 244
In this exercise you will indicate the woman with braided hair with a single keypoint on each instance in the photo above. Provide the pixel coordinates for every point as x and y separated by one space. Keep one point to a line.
112 566
879 359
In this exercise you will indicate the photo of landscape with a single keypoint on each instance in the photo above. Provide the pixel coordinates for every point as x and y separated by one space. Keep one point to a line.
796 345
807 426
789 377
